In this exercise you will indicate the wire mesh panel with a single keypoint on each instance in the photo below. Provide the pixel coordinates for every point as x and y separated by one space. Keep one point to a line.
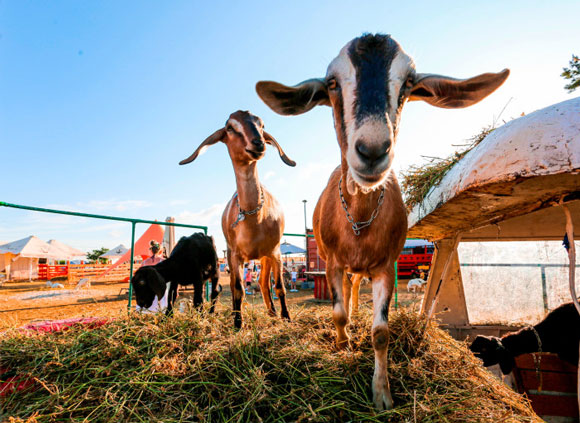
513 282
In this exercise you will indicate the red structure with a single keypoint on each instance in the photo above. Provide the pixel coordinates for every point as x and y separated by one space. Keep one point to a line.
315 262
550 384
416 256
48 272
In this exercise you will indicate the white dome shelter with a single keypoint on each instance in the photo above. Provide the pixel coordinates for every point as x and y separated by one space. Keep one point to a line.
508 188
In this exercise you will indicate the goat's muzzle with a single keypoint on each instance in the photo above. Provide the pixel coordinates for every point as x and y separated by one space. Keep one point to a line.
372 155
257 153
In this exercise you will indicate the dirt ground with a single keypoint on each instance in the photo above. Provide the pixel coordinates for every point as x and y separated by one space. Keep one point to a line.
27 302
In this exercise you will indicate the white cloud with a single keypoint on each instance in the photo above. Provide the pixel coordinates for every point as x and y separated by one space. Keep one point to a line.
204 217
269 175
210 217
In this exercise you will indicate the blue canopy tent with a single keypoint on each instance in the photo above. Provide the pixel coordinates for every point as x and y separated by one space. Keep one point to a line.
287 249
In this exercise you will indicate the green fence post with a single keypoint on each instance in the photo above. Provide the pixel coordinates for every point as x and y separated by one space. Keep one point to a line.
396 285
207 280
131 265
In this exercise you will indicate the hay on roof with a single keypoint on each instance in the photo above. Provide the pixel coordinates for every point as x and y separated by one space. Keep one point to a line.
417 181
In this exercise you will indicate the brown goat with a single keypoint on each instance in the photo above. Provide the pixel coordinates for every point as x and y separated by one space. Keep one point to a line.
360 220
253 221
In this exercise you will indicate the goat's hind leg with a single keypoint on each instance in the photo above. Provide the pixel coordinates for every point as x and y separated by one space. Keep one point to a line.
266 266
383 284
280 288
356 281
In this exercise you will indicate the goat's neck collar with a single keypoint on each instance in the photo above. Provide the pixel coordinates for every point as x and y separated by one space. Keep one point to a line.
243 213
248 186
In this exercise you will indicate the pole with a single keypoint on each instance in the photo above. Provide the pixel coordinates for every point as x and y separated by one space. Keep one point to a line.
305 234
131 265
396 285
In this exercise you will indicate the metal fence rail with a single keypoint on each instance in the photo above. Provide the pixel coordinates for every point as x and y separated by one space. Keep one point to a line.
134 222
115 218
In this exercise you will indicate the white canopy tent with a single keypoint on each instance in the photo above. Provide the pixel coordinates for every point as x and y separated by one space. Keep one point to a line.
71 252
115 253
19 259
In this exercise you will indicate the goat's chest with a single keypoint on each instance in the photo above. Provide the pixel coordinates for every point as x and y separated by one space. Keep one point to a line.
253 238
374 247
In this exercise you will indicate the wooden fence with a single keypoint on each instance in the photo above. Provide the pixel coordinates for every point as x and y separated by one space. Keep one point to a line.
96 272
48 272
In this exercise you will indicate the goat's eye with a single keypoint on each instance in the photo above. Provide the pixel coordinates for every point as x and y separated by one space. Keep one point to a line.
332 84
230 129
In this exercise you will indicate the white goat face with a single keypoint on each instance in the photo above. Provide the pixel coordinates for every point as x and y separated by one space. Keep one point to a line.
367 88
245 138
367 85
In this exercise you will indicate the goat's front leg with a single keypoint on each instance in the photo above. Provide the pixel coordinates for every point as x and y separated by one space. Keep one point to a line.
266 266
171 296
280 288
236 263
334 277
383 284
215 291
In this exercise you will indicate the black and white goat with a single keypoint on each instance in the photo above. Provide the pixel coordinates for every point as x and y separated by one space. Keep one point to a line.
192 261
558 333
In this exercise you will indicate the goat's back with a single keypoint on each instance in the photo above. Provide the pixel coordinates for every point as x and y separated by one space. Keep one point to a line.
193 259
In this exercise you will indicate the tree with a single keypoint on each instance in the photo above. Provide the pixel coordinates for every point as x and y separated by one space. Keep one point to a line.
573 74
93 256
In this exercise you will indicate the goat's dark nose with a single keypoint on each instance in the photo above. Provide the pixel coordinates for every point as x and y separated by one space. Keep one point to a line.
372 153
258 143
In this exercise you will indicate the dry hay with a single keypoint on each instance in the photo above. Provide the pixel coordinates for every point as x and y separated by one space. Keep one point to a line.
198 368
417 181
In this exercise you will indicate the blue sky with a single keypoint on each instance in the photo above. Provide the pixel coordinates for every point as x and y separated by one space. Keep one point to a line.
99 101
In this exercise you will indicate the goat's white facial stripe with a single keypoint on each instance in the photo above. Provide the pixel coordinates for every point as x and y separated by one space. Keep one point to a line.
370 116
236 125
398 72
342 69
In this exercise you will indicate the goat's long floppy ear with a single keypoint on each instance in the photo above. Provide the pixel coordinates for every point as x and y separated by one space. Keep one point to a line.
272 141
157 283
212 139
450 93
294 100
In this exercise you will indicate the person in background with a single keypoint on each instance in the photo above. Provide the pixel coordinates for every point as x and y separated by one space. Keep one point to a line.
248 279
155 258
293 276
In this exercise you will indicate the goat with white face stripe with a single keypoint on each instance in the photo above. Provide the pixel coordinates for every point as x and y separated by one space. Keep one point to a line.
367 85
253 221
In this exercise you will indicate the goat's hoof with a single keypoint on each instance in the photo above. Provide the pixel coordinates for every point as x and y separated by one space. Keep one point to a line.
382 395
286 316
237 323
342 345
272 313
